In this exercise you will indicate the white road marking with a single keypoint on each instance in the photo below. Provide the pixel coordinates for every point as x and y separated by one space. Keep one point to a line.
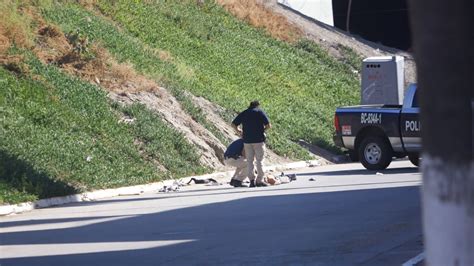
415 260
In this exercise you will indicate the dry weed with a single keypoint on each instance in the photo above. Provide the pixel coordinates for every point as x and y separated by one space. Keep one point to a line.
259 16
4 41
165 56
105 71
162 54
14 63
51 44
185 71
15 26
97 67
88 4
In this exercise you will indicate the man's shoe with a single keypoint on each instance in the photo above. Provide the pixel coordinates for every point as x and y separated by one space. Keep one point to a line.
236 183
240 184
233 182
252 183
262 184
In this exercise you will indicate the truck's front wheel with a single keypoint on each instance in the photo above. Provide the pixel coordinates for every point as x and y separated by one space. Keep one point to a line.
375 153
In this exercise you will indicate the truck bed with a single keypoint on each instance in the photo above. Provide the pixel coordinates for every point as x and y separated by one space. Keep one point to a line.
373 106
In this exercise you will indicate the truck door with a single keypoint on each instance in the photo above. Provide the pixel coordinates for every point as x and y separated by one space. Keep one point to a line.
410 126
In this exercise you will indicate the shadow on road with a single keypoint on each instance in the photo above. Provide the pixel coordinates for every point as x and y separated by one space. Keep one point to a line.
337 228
229 191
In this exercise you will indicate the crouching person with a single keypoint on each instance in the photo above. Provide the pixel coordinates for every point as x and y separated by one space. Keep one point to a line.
234 156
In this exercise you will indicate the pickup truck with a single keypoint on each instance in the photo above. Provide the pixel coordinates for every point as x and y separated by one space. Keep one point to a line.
374 134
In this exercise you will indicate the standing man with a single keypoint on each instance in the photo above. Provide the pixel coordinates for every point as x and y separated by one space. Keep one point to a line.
254 123
234 156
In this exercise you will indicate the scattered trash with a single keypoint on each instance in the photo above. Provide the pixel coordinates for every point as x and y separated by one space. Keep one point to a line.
286 178
312 179
202 181
127 120
378 173
89 158
313 163
272 180
169 189
292 177
173 188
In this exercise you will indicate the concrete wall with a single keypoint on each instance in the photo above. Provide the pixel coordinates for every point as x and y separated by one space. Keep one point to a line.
320 10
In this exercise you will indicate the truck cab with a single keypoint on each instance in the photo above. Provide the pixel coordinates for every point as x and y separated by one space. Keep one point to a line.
410 125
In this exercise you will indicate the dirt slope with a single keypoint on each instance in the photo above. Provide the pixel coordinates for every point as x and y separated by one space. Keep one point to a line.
126 86
212 114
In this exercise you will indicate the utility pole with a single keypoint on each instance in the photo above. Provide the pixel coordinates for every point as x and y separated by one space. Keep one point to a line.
348 17
443 36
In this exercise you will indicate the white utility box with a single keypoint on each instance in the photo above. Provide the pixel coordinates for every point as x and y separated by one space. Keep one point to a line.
382 80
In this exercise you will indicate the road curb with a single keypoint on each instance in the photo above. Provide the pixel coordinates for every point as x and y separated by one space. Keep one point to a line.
133 190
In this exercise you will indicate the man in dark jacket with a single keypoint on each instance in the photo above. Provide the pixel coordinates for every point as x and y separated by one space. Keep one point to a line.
234 156
254 122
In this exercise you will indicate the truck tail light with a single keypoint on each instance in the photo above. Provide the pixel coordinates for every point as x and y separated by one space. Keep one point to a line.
336 124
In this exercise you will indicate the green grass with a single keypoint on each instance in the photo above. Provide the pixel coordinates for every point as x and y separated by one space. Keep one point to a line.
129 49
61 135
226 61
351 58
163 143
8 193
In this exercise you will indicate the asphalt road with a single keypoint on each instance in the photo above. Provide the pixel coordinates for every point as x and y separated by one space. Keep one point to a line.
347 216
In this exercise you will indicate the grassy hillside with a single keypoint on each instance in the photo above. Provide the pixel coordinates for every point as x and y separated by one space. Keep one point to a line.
214 55
60 134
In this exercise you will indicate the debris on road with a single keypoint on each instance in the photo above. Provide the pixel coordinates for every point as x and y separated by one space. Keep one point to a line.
169 189
290 177
272 180
314 163
214 184
173 188
312 179
202 181
281 179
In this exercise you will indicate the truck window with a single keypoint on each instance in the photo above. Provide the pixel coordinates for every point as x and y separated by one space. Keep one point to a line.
415 100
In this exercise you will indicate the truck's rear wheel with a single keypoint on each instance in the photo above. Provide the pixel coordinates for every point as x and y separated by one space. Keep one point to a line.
414 159
375 153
